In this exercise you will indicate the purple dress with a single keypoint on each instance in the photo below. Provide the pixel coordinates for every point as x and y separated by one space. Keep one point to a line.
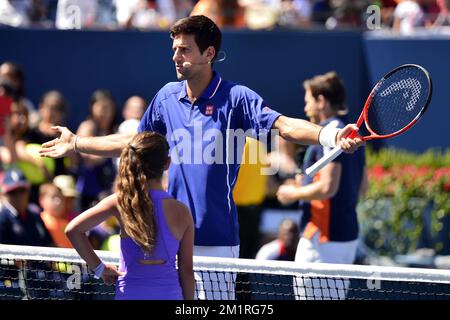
144 280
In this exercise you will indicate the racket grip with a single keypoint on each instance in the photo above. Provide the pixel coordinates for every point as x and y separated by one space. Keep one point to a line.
322 162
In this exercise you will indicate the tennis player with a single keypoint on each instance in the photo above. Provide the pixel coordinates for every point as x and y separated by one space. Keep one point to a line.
330 199
204 102
155 228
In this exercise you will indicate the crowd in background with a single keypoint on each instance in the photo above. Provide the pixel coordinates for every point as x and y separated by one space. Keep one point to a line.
55 189
400 16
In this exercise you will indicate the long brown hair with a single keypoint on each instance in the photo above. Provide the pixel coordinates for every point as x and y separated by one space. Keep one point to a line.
142 159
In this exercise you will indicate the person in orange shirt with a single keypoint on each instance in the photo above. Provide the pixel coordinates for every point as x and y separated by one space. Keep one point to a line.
51 200
69 191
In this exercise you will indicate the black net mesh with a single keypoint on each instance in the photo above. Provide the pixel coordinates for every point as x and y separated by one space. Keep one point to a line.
59 280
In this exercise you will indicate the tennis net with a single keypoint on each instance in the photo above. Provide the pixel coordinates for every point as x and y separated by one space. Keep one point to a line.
60 274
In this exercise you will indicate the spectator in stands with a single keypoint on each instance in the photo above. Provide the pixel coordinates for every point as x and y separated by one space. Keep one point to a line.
132 113
106 15
14 13
145 14
387 12
96 174
67 185
347 13
443 18
15 74
52 202
34 167
19 120
225 13
294 13
38 14
284 246
26 13
20 222
8 88
407 16
183 8
321 11
76 14
7 148
52 112
431 11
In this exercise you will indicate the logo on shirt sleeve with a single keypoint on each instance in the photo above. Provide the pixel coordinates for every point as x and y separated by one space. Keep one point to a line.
267 109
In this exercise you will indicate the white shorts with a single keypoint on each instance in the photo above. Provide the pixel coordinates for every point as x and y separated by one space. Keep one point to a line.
326 252
215 286
312 251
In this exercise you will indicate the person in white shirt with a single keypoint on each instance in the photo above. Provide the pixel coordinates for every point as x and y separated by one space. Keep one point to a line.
143 14
407 16
284 246
76 14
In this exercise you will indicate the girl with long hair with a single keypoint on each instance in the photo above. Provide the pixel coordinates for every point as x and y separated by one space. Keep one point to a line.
157 231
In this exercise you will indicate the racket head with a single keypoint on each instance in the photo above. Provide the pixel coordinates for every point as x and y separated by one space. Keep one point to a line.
397 101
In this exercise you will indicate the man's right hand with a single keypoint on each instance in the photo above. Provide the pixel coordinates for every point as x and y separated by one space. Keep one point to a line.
59 147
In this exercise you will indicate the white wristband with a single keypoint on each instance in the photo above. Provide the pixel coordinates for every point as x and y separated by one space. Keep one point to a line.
98 270
75 147
327 136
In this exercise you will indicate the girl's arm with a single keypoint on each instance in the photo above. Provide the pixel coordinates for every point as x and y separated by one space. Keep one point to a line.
76 232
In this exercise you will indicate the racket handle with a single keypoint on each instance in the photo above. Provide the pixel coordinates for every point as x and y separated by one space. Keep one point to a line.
322 162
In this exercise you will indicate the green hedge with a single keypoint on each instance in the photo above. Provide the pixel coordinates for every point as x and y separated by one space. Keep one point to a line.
403 187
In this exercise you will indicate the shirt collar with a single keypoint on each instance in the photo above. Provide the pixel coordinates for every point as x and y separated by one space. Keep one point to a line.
210 90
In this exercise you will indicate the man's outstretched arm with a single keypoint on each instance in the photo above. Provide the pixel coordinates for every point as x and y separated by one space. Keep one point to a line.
305 132
69 143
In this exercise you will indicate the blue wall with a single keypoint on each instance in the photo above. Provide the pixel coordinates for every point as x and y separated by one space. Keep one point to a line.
433 130
77 63
272 63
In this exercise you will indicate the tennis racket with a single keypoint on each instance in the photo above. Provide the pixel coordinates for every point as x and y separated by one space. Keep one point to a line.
395 104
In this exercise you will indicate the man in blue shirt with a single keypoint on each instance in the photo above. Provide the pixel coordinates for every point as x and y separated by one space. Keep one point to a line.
20 221
205 119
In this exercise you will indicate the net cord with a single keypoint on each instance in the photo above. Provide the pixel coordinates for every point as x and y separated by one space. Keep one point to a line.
248 265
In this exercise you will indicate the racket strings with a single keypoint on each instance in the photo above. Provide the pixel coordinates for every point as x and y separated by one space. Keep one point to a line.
398 101
411 91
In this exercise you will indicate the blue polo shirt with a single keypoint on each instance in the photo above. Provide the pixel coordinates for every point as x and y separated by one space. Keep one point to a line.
207 139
